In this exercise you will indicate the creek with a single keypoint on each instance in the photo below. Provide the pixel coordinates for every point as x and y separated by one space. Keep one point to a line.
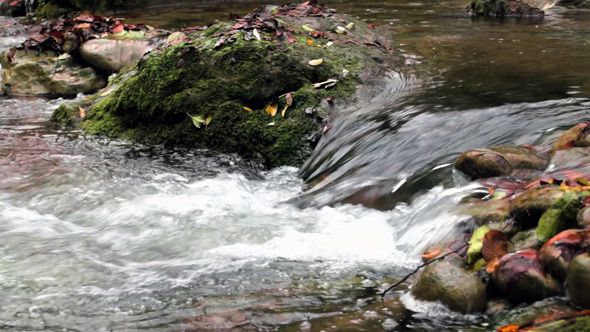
104 235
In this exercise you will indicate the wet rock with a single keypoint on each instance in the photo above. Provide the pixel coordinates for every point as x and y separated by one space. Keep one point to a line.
576 158
583 217
559 251
559 217
449 282
12 8
521 276
113 54
485 212
525 240
528 207
499 8
500 160
578 280
575 136
47 75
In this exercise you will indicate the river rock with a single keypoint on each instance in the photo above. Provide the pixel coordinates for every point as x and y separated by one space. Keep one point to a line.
559 217
576 158
525 240
47 75
583 217
521 276
575 136
578 280
528 207
448 281
559 251
497 8
12 8
500 160
110 55
485 212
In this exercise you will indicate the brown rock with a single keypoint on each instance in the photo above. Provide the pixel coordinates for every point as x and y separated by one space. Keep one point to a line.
528 207
500 160
449 282
578 280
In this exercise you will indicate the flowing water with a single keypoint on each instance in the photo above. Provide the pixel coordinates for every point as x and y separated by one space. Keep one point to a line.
104 235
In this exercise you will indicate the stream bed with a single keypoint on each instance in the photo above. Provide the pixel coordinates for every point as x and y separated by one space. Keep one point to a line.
104 235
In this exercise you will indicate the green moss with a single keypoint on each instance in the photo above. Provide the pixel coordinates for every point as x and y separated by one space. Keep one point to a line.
50 11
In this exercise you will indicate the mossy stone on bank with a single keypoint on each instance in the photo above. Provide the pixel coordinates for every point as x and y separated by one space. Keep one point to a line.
232 83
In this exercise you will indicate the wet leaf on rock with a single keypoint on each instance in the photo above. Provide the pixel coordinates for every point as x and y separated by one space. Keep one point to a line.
476 244
207 121
256 34
316 62
197 120
284 111
81 112
247 109
495 244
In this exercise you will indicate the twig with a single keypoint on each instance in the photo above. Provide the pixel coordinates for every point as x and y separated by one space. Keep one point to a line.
421 266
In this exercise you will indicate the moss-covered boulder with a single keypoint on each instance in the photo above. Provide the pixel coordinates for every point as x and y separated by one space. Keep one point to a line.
251 85
559 217
499 160
451 283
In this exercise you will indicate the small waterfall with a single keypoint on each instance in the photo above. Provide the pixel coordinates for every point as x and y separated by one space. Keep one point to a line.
29 6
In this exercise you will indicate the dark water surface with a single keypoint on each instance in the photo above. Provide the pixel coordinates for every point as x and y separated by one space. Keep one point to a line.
103 235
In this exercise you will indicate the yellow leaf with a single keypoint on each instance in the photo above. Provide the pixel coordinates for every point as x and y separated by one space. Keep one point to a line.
106 93
349 26
307 28
284 110
207 121
248 109
316 62
328 44
272 109
309 42
271 124
81 112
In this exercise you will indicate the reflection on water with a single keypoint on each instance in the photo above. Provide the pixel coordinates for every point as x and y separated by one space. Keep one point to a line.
102 235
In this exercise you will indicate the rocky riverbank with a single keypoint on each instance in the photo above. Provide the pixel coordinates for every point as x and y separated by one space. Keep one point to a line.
530 238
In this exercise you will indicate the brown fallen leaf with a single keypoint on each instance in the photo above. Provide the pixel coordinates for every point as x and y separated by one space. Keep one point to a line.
495 244
81 112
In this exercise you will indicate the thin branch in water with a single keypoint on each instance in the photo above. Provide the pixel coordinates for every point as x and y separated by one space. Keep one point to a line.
421 266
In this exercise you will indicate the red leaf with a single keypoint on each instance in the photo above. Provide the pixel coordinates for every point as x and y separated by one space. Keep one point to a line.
371 26
331 99
289 98
290 38
118 28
